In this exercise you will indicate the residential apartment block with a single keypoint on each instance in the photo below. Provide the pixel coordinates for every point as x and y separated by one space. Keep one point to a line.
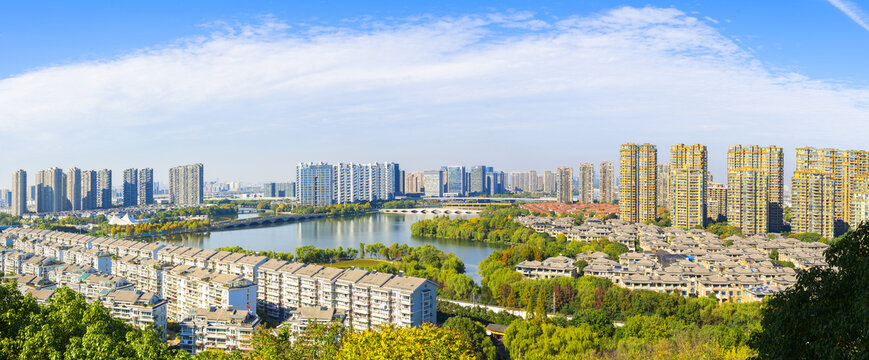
688 185
607 182
843 167
185 184
637 193
586 183
564 185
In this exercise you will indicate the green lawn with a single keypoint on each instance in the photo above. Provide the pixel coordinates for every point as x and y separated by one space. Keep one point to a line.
357 263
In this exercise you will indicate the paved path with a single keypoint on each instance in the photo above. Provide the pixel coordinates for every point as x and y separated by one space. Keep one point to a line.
498 309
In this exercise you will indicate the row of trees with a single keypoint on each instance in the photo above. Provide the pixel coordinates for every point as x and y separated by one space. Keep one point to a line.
154 228
335 209
494 225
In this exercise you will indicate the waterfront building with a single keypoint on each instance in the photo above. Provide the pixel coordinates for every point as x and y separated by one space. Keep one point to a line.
637 180
688 185
747 200
607 182
185 184
716 202
565 185
843 167
586 183
813 209
145 188
764 164
663 186
19 192
433 183
104 189
131 187
363 182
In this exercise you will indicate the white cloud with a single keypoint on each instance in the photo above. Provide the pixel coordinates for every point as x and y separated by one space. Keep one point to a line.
509 90
853 11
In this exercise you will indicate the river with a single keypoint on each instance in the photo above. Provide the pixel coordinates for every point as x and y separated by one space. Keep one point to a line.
347 232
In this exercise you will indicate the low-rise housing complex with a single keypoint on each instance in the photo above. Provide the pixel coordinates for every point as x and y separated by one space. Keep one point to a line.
691 263
213 295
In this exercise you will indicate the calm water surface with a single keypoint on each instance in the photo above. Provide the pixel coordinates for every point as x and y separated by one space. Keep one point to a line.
330 233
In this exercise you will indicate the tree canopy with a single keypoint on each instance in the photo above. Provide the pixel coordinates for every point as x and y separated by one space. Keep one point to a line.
825 315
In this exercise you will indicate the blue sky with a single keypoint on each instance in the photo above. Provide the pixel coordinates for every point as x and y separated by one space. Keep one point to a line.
250 88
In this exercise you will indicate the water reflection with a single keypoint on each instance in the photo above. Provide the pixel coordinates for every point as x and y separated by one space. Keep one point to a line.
347 232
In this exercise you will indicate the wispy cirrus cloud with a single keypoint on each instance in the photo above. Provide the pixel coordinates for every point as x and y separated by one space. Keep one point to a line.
511 90
852 11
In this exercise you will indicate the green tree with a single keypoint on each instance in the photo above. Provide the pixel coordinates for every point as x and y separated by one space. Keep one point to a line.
422 342
475 333
825 314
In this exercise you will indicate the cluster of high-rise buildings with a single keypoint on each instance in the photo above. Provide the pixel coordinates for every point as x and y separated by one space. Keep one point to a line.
561 183
456 181
322 184
55 190
830 188
279 190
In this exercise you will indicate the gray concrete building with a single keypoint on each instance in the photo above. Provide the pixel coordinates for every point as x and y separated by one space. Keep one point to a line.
185 184
131 187
146 186
19 192
104 189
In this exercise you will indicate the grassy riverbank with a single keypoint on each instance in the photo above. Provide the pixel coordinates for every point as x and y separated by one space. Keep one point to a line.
360 263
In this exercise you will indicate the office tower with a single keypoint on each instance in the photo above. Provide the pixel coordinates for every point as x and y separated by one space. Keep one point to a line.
396 179
859 199
433 183
50 194
131 187
747 200
814 202
564 180
19 192
145 188
716 202
314 184
478 181
843 166
607 182
186 184
455 180
73 189
688 185
495 182
104 189
637 169
88 190
269 190
586 183
768 160
663 185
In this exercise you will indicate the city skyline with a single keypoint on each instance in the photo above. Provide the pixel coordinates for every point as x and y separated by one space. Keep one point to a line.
700 74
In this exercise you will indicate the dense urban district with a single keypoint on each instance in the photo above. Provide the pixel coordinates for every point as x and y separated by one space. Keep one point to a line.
657 262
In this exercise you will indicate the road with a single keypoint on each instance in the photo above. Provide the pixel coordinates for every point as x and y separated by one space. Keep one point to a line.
498 309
